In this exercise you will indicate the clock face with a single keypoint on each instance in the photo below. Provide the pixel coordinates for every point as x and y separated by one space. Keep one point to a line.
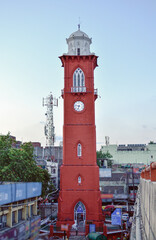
78 106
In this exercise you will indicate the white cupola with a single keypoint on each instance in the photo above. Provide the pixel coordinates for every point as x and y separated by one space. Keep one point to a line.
79 43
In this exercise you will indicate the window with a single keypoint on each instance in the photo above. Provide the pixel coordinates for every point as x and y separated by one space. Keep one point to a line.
78 81
74 80
79 150
13 217
54 181
82 79
53 170
3 221
79 180
79 212
78 51
19 215
31 210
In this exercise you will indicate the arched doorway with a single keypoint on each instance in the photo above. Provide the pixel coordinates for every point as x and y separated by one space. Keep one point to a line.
79 213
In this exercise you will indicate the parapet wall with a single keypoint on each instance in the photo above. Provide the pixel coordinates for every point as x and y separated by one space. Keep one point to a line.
148 201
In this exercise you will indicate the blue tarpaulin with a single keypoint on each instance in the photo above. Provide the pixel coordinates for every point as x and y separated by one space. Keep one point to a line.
19 191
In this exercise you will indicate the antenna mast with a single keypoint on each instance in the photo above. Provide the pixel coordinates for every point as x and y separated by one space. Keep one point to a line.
49 129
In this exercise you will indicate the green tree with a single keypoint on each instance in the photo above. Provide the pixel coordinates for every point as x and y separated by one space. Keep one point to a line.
101 155
18 165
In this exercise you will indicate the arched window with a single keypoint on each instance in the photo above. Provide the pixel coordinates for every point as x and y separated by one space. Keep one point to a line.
79 180
74 80
82 79
79 212
79 150
78 81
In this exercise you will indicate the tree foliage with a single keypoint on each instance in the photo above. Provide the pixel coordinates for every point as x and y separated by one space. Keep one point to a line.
101 155
18 165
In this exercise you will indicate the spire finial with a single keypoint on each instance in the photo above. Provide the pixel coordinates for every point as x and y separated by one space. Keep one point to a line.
79 24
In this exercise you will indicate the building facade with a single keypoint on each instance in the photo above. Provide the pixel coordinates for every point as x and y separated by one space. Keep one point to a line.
79 198
18 210
52 168
132 153
49 158
119 185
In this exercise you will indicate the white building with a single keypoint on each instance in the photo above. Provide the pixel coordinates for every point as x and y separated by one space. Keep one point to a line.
132 153
52 168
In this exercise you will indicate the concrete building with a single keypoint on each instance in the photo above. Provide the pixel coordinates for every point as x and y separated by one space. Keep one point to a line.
52 168
49 158
18 210
132 153
15 144
118 185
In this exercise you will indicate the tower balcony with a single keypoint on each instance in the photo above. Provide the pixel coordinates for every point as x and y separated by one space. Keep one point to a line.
95 93
78 89
62 93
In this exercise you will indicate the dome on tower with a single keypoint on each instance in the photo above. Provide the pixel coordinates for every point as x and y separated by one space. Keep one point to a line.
78 33
79 43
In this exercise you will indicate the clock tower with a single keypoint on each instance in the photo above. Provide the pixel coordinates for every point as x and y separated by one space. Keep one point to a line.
79 197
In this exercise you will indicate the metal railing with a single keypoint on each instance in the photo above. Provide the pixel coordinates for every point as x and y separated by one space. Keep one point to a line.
95 91
78 89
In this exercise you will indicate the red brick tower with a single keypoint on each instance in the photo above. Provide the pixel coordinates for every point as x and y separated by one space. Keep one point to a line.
79 198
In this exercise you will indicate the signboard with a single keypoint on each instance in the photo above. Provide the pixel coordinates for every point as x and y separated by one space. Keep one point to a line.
92 228
105 172
64 227
116 217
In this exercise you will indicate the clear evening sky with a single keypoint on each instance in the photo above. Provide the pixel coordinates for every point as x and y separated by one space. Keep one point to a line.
33 34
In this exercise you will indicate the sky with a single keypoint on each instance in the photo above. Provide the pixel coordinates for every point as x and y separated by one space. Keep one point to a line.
33 35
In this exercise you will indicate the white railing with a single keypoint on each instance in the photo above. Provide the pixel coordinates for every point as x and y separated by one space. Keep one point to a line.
95 91
78 89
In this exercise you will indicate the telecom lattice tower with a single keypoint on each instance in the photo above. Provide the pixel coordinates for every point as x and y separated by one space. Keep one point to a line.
49 128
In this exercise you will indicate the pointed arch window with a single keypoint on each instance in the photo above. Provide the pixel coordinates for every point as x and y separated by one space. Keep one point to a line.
79 180
82 79
79 150
79 211
74 80
78 81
